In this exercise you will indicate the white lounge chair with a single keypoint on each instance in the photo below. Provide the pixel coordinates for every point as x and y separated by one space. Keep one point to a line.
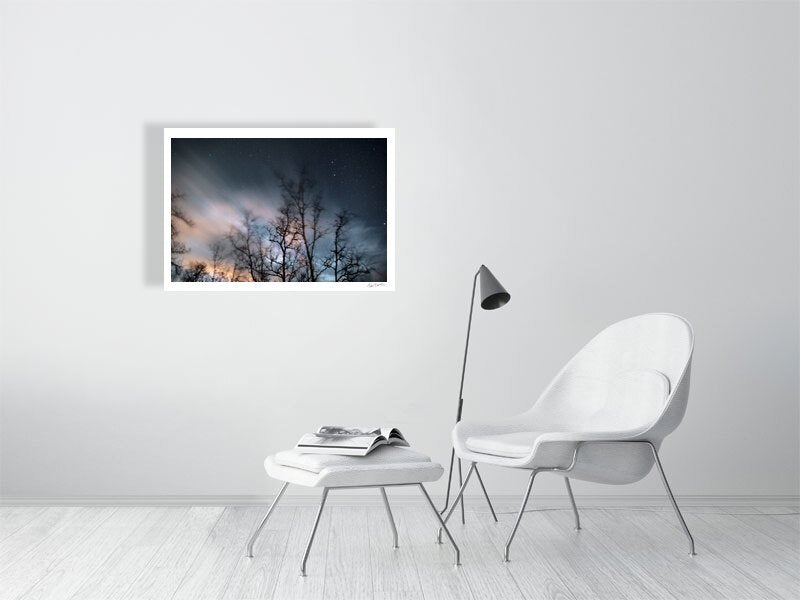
601 419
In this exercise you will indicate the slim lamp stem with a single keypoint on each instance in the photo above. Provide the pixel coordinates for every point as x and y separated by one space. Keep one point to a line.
460 396
466 347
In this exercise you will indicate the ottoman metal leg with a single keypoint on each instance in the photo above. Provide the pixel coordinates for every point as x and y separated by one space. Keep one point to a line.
264 521
455 502
391 518
442 523
313 531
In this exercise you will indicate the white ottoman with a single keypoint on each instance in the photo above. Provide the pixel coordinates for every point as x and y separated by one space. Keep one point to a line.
384 467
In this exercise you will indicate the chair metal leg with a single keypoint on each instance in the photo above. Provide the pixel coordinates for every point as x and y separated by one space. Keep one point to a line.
313 531
442 523
391 518
519 516
672 500
485 495
257 532
455 502
574 507
461 482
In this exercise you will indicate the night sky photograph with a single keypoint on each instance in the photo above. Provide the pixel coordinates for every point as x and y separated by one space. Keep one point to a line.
278 210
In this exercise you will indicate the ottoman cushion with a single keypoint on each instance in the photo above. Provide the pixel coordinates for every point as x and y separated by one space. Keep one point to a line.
383 466
382 455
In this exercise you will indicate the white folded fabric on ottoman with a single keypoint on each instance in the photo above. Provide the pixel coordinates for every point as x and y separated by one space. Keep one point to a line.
384 467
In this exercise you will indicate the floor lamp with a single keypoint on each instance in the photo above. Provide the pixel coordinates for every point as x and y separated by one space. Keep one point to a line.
493 295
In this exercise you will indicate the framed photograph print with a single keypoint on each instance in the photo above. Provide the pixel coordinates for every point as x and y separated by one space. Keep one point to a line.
279 209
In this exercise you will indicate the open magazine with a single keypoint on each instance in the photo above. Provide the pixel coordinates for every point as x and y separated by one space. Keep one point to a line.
349 441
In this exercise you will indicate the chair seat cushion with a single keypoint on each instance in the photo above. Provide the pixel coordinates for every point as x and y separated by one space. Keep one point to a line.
387 465
509 445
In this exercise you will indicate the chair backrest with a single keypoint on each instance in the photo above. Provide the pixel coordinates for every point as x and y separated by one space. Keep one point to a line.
632 375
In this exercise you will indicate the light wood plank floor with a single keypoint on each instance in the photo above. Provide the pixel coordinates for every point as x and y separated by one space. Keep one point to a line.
160 553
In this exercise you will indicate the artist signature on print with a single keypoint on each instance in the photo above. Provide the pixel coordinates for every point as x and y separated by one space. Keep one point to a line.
373 284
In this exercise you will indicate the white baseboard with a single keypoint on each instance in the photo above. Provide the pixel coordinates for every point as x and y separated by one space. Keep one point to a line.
366 499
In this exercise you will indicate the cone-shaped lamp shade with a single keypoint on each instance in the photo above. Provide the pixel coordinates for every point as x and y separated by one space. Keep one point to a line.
493 295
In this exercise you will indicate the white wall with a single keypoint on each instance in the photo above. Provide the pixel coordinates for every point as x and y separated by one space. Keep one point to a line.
604 160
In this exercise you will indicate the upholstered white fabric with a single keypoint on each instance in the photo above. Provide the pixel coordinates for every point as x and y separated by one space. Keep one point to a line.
386 465
510 445
642 392
383 455
631 382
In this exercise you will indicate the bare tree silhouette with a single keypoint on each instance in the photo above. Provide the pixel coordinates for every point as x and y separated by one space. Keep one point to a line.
284 235
235 273
196 271
249 248
178 216
345 262
219 252
306 204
